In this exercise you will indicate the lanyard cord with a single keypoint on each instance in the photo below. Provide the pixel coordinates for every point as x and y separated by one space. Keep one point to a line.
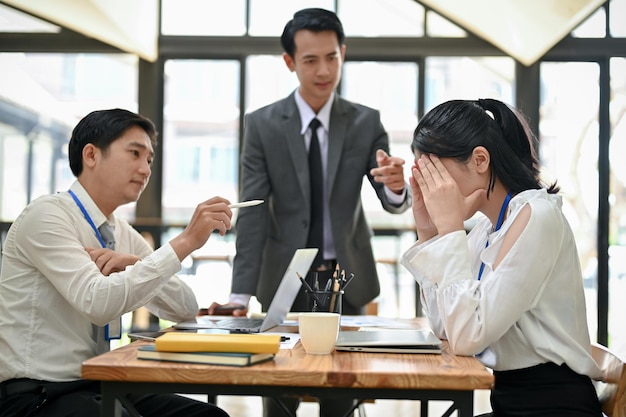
505 204
108 334
88 218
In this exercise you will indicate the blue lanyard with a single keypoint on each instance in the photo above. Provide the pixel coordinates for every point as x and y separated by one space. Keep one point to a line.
88 218
505 204
107 334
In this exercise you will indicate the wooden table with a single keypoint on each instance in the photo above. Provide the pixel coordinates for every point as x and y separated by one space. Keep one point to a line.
356 375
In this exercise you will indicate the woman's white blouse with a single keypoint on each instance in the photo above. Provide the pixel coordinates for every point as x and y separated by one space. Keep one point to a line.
529 310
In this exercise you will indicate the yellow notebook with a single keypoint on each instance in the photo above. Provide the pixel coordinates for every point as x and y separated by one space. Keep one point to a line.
199 342
210 358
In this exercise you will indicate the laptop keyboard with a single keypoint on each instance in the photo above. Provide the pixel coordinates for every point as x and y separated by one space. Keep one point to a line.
240 323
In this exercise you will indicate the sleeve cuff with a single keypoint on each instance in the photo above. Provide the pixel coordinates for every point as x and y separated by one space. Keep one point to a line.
395 199
243 299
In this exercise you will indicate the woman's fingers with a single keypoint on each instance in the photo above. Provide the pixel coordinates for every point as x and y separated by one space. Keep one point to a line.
433 173
439 169
428 172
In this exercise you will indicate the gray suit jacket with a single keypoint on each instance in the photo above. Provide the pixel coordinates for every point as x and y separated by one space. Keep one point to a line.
274 168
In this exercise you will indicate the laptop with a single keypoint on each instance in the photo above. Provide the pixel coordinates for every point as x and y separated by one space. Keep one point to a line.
278 309
389 341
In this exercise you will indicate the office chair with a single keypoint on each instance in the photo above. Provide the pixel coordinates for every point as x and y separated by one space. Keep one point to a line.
611 388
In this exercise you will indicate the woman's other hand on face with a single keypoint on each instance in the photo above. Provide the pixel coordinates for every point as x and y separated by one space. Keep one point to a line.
423 223
440 194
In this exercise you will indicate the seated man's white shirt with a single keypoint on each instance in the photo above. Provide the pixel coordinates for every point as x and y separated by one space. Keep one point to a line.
52 293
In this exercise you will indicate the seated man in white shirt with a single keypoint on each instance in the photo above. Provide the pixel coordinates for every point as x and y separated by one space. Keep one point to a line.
63 289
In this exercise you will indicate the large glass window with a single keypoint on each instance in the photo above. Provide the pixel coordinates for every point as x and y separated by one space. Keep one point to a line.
268 18
593 27
617 219
616 24
267 79
42 97
568 132
447 78
201 130
395 96
203 17
381 18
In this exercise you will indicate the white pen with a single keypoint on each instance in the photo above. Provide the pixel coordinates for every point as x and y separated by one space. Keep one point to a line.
246 204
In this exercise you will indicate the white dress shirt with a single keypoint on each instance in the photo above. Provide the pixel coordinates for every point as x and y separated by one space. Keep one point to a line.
529 310
53 296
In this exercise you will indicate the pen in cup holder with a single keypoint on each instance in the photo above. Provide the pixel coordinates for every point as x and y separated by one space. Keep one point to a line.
326 297
307 287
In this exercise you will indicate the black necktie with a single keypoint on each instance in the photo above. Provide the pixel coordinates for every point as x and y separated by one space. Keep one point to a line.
316 231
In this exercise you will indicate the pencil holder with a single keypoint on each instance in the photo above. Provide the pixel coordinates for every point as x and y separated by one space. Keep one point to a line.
324 301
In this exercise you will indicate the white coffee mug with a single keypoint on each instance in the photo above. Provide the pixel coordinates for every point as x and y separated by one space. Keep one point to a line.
318 332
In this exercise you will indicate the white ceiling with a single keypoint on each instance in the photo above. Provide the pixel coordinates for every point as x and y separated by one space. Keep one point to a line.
131 26
523 29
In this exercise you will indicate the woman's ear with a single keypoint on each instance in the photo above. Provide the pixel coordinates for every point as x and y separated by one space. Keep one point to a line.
481 158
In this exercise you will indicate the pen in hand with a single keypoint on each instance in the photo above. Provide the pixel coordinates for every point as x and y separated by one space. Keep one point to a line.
246 204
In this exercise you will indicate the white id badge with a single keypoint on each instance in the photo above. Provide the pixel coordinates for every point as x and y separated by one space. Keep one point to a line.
113 330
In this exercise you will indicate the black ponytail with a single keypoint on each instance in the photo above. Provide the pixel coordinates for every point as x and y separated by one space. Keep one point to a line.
454 128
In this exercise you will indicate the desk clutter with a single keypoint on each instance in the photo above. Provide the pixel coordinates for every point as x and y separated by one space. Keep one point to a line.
326 296
363 375
214 349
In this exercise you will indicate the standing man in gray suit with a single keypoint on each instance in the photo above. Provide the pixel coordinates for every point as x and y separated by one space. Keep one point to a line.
275 168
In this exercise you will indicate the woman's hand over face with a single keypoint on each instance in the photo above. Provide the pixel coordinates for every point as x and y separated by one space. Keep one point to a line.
423 223
443 200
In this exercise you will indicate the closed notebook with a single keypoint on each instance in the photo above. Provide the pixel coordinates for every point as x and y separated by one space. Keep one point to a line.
209 358
193 342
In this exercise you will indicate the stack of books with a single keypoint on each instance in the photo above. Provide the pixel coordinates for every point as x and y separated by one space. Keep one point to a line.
212 349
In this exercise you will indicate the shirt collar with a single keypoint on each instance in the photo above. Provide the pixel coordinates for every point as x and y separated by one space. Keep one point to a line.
307 114
94 212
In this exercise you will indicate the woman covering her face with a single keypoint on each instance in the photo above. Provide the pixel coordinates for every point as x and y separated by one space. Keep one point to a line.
510 292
